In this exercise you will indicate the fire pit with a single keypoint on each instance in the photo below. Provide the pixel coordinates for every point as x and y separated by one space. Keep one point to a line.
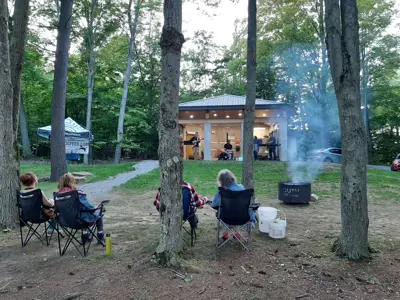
290 192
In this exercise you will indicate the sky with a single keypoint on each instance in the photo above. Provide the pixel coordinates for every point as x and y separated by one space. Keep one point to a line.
222 22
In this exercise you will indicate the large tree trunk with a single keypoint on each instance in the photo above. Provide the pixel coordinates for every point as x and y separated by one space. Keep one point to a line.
344 59
58 159
170 156
248 147
8 166
91 70
132 39
17 50
23 126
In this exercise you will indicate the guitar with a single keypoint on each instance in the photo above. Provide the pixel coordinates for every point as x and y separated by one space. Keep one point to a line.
196 142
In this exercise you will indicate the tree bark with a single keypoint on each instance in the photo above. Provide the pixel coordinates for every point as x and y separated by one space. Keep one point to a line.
344 59
249 110
132 40
17 50
91 70
58 159
170 156
8 167
23 126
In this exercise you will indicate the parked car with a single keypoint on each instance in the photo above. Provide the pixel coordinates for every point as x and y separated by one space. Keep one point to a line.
327 155
396 163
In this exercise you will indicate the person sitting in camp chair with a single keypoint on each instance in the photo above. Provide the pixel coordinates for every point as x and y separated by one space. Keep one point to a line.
227 180
35 210
195 201
29 181
190 202
66 184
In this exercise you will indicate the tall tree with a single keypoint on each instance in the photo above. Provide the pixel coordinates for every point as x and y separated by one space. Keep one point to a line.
102 18
171 165
11 58
90 11
23 126
58 159
248 147
17 47
132 22
7 166
342 41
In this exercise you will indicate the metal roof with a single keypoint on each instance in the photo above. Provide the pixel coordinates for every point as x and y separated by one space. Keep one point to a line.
228 102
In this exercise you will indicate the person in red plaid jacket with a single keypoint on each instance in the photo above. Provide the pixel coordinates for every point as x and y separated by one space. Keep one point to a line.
196 200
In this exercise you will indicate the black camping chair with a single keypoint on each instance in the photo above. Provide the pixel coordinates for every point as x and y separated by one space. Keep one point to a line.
30 211
68 211
189 215
234 211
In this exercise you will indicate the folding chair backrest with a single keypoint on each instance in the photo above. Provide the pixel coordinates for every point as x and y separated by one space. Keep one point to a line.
68 209
31 203
186 202
234 209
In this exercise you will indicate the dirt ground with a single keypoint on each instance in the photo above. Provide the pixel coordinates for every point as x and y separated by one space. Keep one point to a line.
298 267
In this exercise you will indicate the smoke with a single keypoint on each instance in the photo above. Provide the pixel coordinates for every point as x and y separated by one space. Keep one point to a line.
304 80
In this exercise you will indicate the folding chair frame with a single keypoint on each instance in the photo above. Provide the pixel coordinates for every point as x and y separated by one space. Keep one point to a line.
192 232
82 247
72 239
33 231
33 228
233 232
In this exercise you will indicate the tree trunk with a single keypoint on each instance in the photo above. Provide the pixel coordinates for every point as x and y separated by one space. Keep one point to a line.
248 146
17 50
132 39
324 78
23 126
170 156
344 59
58 159
91 74
91 70
8 167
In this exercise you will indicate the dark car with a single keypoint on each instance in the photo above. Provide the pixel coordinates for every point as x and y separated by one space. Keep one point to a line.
327 155
396 163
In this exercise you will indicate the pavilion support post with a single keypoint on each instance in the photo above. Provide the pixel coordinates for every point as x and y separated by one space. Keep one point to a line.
207 141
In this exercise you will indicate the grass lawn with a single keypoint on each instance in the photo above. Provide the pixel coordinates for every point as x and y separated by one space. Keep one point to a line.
100 172
266 175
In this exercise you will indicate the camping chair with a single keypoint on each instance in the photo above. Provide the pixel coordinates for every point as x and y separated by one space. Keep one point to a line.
30 212
68 211
234 211
189 215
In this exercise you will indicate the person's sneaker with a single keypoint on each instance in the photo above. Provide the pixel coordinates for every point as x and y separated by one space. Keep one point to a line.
238 236
226 236
100 237
85 238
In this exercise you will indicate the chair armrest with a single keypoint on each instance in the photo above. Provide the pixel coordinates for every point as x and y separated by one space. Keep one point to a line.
103 203
255 206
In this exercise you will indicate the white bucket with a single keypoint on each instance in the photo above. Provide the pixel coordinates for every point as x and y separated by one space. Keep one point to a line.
278 227
265 216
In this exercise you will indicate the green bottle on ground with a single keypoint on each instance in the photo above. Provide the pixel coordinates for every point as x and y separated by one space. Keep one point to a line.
108 244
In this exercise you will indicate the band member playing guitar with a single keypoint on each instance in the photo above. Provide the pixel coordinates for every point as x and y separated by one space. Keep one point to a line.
195 141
